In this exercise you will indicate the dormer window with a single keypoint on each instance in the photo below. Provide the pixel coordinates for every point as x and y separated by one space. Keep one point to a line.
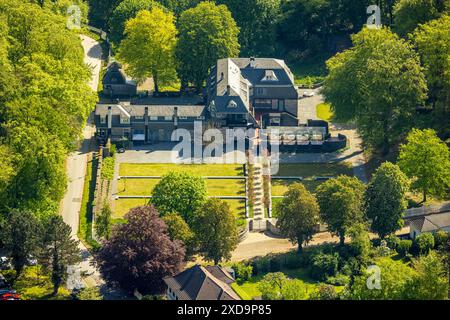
232 104
270 76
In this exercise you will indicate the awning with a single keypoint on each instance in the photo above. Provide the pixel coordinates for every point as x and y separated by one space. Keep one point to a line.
138 137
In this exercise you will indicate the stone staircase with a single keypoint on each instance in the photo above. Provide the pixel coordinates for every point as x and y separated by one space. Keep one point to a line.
258 206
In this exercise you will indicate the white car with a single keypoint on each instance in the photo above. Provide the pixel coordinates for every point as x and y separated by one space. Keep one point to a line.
309 94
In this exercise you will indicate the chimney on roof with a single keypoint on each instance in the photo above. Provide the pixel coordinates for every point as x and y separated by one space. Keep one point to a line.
228 90
252 62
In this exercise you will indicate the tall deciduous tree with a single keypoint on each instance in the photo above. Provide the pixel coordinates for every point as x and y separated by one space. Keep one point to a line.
126 10
100 11
426 159
298 215
258 22
182 193
140 254
386 283
216 230
148 47
385 201
178 229
59 250
433 44
408 14
378 83
206 33
341 204
20 238
431 281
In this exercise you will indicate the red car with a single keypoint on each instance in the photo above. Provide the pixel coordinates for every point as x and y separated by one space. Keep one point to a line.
9 295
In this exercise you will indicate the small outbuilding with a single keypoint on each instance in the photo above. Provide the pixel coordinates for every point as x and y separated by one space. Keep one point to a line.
430 223
116 84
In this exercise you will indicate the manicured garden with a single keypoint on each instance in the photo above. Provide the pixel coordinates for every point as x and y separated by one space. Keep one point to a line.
159 169
144 187
309 172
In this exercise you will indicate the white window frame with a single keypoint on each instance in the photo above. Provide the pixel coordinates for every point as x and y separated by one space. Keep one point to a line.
124 120
103 119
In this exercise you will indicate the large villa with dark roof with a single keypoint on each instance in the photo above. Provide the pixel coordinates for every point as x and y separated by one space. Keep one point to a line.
257 92
244 93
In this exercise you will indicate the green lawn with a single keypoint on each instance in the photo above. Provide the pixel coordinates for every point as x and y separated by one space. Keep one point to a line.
150 169
324 112
144 187
310 170
123 206
280 187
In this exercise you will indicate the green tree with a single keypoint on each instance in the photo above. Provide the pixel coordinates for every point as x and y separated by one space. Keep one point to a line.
20 235
360 245
103 222
148 48
258 21
126 10
392 275
178 6
178 229
377 83
433 45
431 279
385 201
216 230
298 215
100 11
409 14
341 204
59 250
275 286
182 193
206 33
426 160
424 243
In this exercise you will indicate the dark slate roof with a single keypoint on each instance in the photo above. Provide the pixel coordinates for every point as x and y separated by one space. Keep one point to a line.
256 73
153 110
232 78
431 222
200 283
114 74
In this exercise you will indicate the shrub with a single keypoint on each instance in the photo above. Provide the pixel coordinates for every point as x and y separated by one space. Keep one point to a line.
338 280
392 241
274 264
383 250
113 150
293 261
108 168
92 293
424 243
440 238
324 292
324 265
242 271
403 247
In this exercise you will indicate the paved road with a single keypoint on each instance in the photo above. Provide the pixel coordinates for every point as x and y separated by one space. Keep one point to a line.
76 169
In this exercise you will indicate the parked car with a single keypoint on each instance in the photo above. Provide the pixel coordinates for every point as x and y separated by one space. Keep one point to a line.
9 295
309 94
